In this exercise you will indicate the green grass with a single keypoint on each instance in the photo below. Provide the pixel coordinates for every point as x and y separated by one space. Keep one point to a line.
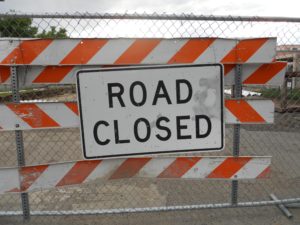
275 93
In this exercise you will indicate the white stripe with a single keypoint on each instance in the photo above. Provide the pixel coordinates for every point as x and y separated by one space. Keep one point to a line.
9 179
253 168
229 77
29 73
154 167
51 176
60 113
265 108
204 167
104 169
216 51
248 69
6 47
55 52
111 51
266 53
70 78
278 79
8 119
230 118
164 51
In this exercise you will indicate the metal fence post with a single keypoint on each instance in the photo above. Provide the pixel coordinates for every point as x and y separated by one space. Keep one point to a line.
19 140
283 95
236 93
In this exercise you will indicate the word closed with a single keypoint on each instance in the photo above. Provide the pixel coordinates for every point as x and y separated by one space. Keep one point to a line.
151 110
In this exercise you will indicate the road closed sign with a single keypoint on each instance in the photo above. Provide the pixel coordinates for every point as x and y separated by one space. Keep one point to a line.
151 110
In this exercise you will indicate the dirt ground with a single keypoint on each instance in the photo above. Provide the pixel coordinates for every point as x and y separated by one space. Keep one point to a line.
281 141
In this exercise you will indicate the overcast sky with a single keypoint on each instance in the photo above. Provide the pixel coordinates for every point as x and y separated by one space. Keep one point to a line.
290 8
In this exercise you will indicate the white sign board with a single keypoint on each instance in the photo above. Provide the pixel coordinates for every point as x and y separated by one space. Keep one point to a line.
150 110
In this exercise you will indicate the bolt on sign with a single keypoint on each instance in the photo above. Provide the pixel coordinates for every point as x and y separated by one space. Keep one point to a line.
150 110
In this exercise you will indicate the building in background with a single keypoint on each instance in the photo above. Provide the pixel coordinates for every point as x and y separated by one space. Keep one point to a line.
291 54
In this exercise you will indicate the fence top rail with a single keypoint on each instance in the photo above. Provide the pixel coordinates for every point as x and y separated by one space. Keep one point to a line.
153 16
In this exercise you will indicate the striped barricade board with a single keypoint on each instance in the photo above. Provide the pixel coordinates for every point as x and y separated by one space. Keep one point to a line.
40 177
129 51
256 74
56 61
26 116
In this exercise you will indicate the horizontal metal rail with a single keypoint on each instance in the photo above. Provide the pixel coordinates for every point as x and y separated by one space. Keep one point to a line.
154 16
152 209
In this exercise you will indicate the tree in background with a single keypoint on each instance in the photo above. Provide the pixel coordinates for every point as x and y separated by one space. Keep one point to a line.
53 33
17 27
22 27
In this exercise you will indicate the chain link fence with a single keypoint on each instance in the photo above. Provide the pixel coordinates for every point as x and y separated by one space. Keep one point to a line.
281 140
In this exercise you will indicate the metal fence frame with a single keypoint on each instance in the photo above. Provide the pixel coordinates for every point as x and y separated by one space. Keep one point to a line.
237 89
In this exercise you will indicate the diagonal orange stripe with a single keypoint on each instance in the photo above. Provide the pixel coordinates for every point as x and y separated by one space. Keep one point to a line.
191 50
179 167
244 50
4 73
13 57
79 172
243 111
137 51
264 73
32 115
72 106
229 167
53 74
27 51
129 168
30 174
84 51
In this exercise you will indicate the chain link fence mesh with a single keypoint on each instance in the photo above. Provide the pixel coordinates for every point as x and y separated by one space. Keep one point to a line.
281 140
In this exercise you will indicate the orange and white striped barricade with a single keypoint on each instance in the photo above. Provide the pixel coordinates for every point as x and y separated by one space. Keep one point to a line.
40 177
129 51
47 115
261 74
48 61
